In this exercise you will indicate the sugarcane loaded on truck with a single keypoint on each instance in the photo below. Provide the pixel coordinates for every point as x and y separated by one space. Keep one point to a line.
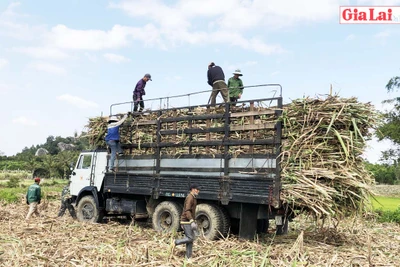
233 153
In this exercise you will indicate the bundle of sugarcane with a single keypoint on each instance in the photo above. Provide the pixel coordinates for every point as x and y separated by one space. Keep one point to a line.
322 167
142 129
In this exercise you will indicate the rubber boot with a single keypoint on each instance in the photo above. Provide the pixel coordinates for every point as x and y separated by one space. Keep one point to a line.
189 249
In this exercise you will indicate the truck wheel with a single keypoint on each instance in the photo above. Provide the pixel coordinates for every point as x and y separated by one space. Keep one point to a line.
210 221
166 217
226 221
87 210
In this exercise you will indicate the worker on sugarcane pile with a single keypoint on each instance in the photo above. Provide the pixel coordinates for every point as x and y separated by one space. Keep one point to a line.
235 85
139 92
66 202
216 79
188 222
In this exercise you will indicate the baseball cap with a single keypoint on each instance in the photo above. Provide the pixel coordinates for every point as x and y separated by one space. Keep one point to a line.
148 76
37 179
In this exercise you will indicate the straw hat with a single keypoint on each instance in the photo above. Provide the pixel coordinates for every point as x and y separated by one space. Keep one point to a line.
238 72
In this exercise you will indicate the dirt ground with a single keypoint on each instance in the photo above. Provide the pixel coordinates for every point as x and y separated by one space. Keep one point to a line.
47 241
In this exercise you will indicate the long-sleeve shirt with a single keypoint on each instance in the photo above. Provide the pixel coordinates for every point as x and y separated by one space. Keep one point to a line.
113 129
139 89
34 193
65 194
235 87
189 209
215 74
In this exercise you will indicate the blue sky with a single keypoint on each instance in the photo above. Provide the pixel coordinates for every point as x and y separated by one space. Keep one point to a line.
62 62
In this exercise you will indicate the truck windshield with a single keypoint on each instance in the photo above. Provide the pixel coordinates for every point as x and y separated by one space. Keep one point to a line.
84 162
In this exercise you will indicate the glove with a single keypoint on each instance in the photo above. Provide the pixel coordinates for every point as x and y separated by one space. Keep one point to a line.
193 225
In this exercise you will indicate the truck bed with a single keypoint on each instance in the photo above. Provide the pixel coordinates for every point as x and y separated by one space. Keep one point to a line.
232 153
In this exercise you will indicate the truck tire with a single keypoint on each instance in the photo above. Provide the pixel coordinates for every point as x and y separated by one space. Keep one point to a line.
166 216
226 221
87 210
210 221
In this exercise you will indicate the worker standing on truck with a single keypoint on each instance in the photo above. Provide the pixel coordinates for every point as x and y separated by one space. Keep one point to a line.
235 85
113 138
33 197
66 200
216 79
188 222
139 92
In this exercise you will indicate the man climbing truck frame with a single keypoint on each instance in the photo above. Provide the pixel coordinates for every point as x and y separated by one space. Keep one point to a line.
241 190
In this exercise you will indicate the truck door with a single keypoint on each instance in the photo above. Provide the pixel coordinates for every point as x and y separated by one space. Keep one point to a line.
80 177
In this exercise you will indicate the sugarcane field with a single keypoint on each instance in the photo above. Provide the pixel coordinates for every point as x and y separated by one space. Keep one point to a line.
257 133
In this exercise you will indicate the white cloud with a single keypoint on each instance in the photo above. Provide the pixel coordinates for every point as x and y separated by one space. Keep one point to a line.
22 31
91 57
275 73
116 58
47 67
77 101
240 65
24 121
250 63
63 37
232 15
378 2
42 52
4 88
382 34
350 37
3 62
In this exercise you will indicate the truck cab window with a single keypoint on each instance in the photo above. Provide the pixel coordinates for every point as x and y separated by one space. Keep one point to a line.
84 162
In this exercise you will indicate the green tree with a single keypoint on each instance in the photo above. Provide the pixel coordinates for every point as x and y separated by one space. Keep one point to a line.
390 127
384 173
64 160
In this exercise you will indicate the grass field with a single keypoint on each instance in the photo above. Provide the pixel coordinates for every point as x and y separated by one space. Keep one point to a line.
386 203
51 189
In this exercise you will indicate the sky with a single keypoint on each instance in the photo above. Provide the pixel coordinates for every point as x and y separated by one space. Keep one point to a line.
62 62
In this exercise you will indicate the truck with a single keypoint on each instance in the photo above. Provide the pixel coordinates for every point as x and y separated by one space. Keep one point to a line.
240 191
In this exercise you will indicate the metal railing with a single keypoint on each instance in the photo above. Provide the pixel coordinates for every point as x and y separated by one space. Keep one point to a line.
167 98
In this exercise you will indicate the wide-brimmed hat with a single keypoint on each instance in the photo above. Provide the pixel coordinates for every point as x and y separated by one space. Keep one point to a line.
238 72
112 119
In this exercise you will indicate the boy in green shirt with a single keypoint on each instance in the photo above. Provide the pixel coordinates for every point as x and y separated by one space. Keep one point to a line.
235 86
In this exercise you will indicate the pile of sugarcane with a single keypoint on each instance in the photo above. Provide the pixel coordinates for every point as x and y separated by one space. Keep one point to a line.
322 164
323 140
142 129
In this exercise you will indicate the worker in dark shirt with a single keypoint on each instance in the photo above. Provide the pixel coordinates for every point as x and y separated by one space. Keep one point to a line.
188 222
139 92
216 79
